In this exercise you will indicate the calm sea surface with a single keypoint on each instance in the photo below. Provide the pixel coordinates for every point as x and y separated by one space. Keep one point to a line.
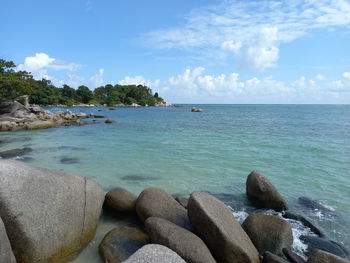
303 149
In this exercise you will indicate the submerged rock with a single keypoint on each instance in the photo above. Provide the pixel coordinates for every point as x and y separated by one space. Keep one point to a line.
262 193
120 200
312 204
138 178
215 224
155 202
324 244
121 242
154 254
319 256
268 233
49 215
305 222
70 160
6 254
186 244
15 152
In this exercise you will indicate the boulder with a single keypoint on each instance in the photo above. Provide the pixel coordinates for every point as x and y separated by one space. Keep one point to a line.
49 215
268 233
120 200
154 254
324 244
6 254
121 242
305 222
182 201
272 258
99 116
186 244
15 152
291 256
215 224
194 109
109 121
263 194
10 107
319 256
313 204
155 202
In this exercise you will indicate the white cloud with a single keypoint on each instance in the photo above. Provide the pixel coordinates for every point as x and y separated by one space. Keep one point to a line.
346 75
97 80
252 30
194 86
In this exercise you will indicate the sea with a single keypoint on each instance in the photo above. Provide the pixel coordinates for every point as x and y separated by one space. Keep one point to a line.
304 150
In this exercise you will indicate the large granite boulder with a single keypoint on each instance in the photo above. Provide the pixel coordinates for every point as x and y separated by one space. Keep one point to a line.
320 256
154 254
120 200
216 225
6 254
272 258
323 244
262 193
49 215
268 233
189 246
155 202
121 242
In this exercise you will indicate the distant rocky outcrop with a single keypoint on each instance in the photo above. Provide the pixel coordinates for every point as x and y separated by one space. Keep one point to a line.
194 109
16 116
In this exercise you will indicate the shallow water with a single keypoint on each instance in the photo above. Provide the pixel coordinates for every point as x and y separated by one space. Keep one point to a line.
303 149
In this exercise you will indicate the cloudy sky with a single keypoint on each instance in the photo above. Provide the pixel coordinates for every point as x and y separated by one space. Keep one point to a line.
198 51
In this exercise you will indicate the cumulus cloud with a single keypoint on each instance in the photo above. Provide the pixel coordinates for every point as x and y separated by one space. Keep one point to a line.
195 86
252 30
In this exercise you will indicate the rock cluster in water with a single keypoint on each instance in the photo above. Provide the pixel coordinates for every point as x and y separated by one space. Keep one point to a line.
16 116
50 215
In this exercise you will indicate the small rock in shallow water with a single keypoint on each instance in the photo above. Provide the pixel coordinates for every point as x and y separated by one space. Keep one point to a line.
109 121
309 203
15 152
305 222
70 160
120 200
138 178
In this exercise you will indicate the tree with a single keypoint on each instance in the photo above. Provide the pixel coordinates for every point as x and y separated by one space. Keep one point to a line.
84 94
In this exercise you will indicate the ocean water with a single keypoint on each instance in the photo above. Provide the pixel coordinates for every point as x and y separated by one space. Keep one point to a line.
303 149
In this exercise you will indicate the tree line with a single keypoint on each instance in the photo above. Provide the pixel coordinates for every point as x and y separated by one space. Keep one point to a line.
16 83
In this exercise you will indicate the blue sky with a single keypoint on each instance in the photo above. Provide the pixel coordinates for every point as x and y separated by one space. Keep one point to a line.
198 51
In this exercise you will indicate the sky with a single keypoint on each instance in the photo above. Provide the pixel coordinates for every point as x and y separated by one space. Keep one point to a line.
198 51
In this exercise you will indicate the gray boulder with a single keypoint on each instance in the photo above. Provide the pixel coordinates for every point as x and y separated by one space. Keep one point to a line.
319 256
268 233
323 244
272 258
15 152
262 193
291 256
154 254
109 121
120 200
217 227
182 201
121 242
6 254
49 215
189 246
155 202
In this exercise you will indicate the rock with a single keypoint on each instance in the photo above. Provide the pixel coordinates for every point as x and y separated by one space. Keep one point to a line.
186 244
139 178
82 115
182 201
194 109
312 204
319 256
324 244
272 258
69 160
6 254
24 100
111 108
155 202
268 233
109 121
15 152
217 227
49 215
121 242
305 222
154 254
263 194
291 256
99 116
11 107
120 200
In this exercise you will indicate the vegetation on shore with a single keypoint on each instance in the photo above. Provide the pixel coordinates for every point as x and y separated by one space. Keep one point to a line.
16 83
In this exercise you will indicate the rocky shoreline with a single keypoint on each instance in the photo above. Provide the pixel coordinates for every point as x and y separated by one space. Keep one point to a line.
50 216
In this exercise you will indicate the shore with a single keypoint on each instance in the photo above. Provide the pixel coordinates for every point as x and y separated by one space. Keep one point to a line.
201 226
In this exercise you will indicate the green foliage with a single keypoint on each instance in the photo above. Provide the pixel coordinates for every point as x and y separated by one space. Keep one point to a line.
16 83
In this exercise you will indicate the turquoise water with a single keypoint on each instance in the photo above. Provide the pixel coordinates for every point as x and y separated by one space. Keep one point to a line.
303 149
